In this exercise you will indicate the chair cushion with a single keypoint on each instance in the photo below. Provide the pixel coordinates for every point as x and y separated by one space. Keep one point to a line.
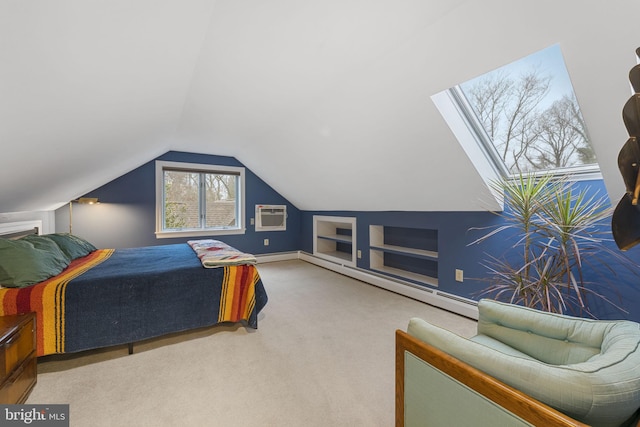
603 391
499 346
551 338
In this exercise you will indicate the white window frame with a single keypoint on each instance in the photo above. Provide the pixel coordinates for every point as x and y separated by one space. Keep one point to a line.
463 122
239 228
457 98
479 135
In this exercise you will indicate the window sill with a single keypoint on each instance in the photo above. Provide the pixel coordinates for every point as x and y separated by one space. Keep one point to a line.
198 233
586 173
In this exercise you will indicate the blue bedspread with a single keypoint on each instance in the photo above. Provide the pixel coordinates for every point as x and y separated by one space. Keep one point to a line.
143 293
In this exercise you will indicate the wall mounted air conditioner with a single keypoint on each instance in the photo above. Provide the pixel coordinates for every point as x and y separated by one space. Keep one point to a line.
271 217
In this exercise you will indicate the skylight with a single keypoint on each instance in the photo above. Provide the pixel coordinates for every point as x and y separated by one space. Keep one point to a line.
524 116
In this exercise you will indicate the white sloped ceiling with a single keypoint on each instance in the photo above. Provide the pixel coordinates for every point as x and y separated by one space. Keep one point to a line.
327 101
89 90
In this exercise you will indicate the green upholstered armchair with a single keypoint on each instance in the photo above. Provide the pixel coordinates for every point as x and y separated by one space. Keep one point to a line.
586 369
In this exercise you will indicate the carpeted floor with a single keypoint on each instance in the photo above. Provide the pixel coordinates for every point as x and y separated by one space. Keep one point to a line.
323 356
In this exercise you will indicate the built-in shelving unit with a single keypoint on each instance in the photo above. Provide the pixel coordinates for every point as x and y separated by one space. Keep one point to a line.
334 239
404 252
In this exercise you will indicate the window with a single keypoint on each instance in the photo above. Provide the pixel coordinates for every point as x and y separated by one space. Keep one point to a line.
197 199
524 116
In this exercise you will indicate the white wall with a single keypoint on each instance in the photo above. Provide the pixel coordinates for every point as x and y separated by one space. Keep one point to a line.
47 217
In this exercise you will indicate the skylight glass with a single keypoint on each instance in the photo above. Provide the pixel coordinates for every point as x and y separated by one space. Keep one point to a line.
527 117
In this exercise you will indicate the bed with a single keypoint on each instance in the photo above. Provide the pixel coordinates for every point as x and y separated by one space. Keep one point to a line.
110 297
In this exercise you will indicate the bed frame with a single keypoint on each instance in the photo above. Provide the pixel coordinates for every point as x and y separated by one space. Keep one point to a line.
459 383
14 231
17 230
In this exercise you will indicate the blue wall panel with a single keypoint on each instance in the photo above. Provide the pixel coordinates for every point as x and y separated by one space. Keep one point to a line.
454 235
456 231
126 218
127 213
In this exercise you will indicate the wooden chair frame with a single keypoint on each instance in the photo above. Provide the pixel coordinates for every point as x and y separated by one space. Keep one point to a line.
510 399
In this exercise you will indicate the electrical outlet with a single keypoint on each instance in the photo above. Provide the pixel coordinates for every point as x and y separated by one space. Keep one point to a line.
266 242
459 275
253 221
359 254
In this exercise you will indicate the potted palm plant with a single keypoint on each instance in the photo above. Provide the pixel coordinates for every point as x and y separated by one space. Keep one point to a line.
558 232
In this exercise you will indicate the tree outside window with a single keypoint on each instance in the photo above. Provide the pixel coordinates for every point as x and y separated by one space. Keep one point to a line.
186 207
530 115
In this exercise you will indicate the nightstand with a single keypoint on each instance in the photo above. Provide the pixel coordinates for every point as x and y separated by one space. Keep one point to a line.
18 366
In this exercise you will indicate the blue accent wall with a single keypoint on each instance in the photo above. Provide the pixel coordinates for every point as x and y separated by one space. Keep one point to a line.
453 237
126 218
126 214
456 230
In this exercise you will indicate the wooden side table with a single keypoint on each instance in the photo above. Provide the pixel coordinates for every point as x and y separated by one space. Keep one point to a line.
18 366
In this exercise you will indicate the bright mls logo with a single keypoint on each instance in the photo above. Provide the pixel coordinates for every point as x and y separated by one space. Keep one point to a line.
34 415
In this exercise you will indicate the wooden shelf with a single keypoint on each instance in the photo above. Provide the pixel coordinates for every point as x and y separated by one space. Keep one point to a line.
336 254
337 238
404 252
404 274
407 251
334 239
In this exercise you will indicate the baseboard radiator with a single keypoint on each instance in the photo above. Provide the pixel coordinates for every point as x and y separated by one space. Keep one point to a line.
453 303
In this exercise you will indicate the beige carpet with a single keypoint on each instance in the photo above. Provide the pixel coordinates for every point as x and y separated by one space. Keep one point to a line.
323 356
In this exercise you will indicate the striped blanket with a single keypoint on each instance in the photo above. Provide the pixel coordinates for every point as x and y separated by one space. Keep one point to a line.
47 300
237 296
114 297
214 253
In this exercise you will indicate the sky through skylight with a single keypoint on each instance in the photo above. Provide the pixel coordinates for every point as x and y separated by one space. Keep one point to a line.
530 114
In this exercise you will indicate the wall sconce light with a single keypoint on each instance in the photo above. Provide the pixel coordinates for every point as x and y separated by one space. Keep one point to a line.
82 201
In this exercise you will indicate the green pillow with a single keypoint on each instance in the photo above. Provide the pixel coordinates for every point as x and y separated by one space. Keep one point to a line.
73 246
46 244
22 264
